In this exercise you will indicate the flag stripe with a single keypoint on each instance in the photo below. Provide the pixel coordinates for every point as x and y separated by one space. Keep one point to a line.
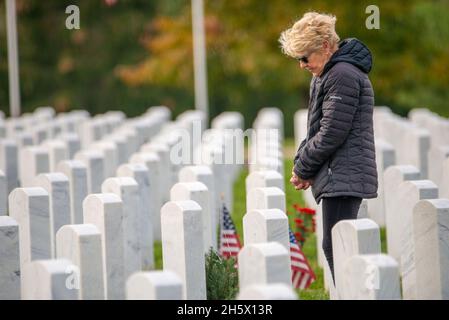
302 274
229 240
304 282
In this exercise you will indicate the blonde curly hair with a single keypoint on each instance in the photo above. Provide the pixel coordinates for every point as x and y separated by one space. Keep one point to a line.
308 34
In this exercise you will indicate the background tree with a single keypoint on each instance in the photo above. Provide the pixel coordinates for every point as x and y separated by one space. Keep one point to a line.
137 53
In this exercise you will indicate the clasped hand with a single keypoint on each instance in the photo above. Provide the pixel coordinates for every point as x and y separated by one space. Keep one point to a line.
298 183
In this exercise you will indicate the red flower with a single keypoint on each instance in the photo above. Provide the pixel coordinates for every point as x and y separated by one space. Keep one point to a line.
309 211
299 221
304 222
301 238
303 210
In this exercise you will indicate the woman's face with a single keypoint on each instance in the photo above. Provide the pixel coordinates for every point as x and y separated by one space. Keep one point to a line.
316 60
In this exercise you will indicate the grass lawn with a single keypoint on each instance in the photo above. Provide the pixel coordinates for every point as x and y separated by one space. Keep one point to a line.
316 291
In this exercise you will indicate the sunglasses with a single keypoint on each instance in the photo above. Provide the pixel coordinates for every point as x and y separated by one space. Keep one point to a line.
304 59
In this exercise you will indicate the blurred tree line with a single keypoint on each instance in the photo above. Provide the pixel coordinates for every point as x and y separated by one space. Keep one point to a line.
131 54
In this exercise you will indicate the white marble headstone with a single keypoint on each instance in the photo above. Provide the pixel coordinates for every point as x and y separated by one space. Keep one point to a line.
57 186
109 151
76 172
122 147
10 259
9 163
275 291
50 280
264 179
199 193
264 263
140 173
266 198
163 152
371 277
105 211
57 151
204 175
436 158
431 238
94 162
182 246
393 177
127 189
349 238
444 188
3 194
33 160
152 162
385 157
81 244
154 285
266 225
409 193
30 208
72 142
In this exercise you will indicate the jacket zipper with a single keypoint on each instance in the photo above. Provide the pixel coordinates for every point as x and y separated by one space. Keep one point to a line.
329 174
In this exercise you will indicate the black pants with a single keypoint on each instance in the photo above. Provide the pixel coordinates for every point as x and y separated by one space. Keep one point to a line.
334 210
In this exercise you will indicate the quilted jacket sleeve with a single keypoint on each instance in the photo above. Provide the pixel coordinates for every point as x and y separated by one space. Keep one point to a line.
303 143
341 97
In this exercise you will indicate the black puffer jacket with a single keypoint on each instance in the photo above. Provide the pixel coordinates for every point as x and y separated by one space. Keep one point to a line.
338 153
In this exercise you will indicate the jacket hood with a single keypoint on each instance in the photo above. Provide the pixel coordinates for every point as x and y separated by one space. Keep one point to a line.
352 51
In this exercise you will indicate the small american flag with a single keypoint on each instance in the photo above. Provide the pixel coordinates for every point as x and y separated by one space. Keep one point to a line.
229 239
302 274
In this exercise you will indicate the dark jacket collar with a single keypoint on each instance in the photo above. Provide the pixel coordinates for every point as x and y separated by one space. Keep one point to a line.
352 51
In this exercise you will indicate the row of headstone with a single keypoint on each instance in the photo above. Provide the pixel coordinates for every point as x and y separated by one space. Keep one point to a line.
233 125
411 143
189 216
45 208
412 210
361 271
133 183
438 157
264 261
266 141
21 163
412 203
417 233
126 188
421 140
222 149
262 264
416 225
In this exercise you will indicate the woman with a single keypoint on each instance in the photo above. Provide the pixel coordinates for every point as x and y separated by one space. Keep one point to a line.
337 158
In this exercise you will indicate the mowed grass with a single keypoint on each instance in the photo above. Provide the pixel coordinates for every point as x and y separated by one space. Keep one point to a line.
316 291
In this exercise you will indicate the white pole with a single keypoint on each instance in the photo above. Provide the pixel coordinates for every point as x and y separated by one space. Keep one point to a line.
13 61
199 57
